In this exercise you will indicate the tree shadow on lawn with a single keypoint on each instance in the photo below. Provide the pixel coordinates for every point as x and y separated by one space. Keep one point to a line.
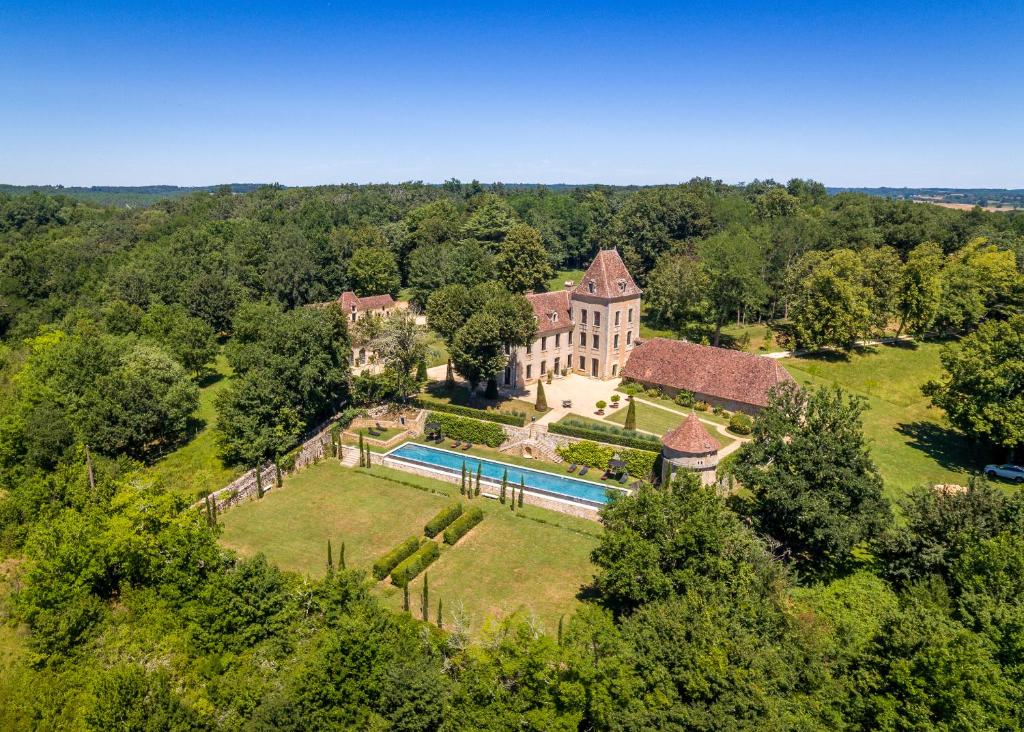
210 379
945 446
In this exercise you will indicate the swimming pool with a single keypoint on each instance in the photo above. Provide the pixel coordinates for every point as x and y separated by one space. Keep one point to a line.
559 486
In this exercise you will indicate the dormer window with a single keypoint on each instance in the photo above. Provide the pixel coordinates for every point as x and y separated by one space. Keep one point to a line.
591 287
554 317
622 285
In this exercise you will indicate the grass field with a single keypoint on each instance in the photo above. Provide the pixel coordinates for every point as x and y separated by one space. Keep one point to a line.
535 560
461 396
910 441
558 281
659 421
195 469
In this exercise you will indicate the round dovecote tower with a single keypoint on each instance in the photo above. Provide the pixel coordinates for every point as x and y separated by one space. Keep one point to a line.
689 447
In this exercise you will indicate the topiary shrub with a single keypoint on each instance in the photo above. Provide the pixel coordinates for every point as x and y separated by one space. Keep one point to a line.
685 398
701 406
462 525
653 392
717 410
741 424
413 565
383 566
542 400
470 430
441 521
630 423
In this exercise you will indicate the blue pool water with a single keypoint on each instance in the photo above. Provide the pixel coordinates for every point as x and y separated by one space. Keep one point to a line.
557 485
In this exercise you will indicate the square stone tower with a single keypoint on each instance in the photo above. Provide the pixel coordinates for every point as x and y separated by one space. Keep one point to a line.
605 311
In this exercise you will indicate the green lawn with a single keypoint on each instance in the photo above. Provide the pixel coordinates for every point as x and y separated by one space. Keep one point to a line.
535 560
194 469
910 441
558 281
438 353
383 435
461 396
660 421
722 419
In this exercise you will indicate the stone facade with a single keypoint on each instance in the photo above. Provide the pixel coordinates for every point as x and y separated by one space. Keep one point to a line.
588 328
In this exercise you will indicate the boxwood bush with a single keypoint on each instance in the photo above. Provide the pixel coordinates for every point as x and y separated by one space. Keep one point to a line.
602 433
443 518
516 419
413 565
471 430
741 424
383 566
463 524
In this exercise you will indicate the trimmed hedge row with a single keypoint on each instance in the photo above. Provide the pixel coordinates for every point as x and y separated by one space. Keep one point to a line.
516 419
462 526
443 518
470 430
420 560
383 566
610 434
639 463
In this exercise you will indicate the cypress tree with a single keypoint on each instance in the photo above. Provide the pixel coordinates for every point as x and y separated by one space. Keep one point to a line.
209 516
561 618
421 371
330 558
279 479
259 482
504 487
542 400
341 556
362 461
522 485
425 603
477 492
440 616
462 487
405 597
630 423
512 503
369 461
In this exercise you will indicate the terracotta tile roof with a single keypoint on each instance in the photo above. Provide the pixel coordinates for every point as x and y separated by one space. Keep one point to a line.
692 437
370 302
609 276
717 372
546 304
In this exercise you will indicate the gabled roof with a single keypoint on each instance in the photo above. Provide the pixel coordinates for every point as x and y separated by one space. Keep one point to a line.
547 304
716 372
691 437
609 277
349 300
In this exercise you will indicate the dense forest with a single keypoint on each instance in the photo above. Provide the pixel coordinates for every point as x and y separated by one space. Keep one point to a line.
806 603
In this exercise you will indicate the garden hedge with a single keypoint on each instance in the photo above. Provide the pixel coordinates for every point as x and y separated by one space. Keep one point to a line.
639 463
463 524
443 518
615 435
471 430
516 419
383 566
413 565
741 424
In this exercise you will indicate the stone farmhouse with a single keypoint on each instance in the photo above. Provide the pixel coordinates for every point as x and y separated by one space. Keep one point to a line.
733 380
588 328
354 308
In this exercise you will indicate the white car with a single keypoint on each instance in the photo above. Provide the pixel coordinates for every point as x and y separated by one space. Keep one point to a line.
1013 473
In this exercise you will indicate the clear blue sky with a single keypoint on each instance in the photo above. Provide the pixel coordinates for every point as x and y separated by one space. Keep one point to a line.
188 93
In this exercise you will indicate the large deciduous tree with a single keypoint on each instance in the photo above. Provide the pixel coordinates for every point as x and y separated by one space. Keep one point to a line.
373 271
812 484
733 264
477 349
522 264
919 291
830 302
982 390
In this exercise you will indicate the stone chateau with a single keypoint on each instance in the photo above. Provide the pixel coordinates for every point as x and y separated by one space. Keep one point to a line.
586 328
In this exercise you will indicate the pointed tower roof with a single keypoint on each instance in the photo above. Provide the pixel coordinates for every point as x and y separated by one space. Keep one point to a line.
608 277
691 437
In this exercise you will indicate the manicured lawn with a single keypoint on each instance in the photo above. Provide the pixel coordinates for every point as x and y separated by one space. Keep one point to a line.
438 354
384 435
194 469
461 396
672 406
660 421
534 560
558 281
910 441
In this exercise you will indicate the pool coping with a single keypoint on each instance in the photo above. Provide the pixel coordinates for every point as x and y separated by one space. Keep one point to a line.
561 497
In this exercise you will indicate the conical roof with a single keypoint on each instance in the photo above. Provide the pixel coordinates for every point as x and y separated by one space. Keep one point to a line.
607 277
691 437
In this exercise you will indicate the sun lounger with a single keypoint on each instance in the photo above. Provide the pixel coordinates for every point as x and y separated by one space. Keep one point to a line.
377 425
467 445
572 468
455 444
585 469
373 432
